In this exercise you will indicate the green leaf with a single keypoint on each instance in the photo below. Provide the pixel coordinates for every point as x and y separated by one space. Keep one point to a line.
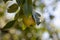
27 8
12 8
19 2
33 38
23 27
19 14
9 25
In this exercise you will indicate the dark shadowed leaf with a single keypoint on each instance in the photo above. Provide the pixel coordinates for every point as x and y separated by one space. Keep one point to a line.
27 7
12 8
9 25
4 31
19 2
18 27
19 14
51 16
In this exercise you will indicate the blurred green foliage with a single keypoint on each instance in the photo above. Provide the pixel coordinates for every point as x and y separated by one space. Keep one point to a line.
23 27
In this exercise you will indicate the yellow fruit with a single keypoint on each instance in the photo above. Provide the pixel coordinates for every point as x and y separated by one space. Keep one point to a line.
28 21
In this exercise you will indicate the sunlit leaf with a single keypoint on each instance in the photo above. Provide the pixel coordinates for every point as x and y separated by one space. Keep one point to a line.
23 27
12 8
